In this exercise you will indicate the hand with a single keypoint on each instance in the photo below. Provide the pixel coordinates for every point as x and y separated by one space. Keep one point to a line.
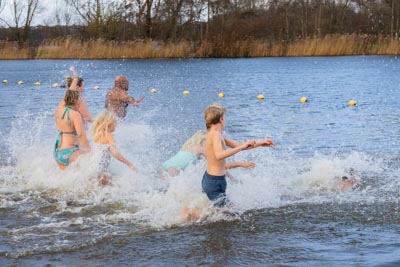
87 150
140 99
248 165
73 70
137 101
133 168
267 142
249 144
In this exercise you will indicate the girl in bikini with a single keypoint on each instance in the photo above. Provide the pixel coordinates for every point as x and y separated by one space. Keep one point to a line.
102 132
71 132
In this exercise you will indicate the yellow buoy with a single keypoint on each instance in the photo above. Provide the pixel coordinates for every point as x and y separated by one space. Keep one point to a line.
37 83
153 90
186 92
55 85
5 81
96 87
260 97
221 95
20 82
352 103
303 99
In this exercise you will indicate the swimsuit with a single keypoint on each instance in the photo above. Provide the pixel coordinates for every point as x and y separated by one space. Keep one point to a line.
62 156
215 187
181 160
105 160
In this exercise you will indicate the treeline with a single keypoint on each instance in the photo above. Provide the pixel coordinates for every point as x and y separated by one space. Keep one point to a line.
212 28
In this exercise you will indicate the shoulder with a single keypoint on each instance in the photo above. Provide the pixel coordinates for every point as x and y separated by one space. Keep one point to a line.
109 138
75 114
214 134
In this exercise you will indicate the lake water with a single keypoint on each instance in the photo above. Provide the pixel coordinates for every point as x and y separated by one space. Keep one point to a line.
287 211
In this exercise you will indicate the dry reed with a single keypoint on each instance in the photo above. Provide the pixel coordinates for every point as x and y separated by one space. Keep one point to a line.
69 48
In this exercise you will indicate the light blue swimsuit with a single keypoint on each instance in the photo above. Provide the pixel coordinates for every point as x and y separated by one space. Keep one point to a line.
181 160
62 156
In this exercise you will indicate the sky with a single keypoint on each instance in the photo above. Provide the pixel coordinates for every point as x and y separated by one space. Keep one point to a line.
45 16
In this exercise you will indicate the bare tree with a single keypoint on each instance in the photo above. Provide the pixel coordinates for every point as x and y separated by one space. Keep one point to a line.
2 5
22 15
90 10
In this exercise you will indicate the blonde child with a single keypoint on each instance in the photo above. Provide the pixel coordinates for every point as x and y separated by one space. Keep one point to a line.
190 152
102 133
214 182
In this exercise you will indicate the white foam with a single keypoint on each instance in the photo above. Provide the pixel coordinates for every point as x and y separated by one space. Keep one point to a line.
278 179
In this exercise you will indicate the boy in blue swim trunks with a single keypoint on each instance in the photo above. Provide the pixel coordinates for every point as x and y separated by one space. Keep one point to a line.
214 182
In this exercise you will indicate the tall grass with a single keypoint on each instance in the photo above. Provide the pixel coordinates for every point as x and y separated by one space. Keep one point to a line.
69 48
11 50
101 49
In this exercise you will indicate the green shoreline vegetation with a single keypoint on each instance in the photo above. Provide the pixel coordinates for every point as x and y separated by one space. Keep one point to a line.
69 48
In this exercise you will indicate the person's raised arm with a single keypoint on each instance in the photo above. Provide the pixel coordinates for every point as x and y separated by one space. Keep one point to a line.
84 111
74 79
117 155
80 130
221 153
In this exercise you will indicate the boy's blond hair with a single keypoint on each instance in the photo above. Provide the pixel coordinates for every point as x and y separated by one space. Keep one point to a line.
100 125
196 139
213 114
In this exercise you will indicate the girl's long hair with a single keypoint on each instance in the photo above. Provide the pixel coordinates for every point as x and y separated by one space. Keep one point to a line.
100 125
196 139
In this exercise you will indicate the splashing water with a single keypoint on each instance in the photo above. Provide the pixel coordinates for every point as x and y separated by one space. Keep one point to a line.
46 210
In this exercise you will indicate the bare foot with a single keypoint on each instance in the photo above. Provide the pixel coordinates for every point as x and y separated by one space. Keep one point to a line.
189 215
104 180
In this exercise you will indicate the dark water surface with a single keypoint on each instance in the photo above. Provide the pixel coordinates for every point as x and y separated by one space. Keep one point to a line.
288 211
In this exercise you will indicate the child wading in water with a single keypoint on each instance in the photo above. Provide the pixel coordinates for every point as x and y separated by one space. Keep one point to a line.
102 132
214 182
190 153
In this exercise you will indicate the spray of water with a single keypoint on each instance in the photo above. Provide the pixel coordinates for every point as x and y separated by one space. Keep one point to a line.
149 198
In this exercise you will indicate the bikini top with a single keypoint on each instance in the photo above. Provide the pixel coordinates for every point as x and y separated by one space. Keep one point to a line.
58 139
66 112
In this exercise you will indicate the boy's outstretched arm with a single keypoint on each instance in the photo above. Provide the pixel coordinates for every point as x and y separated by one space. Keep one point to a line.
266 142
221 153
246 165
231 143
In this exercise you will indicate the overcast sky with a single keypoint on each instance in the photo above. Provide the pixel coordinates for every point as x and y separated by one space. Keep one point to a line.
45 15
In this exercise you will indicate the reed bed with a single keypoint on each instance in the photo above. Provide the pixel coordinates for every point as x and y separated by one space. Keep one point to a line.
11 50
69 48
101 49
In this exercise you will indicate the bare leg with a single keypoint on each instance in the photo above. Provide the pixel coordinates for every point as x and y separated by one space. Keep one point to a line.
73 157
104 179
61 166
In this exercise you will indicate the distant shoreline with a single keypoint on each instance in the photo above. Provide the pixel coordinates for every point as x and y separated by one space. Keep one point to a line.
70 48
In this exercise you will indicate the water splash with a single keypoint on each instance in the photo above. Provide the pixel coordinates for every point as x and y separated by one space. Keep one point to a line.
70 205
